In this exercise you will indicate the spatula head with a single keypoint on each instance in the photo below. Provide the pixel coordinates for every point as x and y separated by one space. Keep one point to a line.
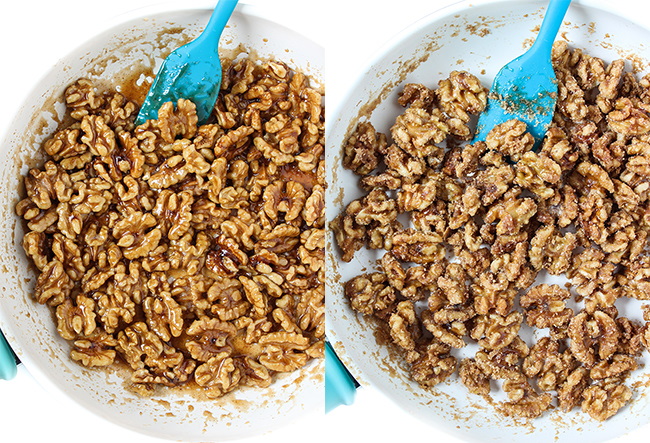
525 89
196 78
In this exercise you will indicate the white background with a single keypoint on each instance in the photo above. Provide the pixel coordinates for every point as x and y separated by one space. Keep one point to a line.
35 34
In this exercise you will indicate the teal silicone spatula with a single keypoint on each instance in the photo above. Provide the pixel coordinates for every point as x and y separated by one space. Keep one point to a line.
192 71
526 88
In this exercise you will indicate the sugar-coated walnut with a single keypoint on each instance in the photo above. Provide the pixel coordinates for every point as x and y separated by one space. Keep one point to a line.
218 376
370 293
363 149
602 402
473 378
432 366
545 306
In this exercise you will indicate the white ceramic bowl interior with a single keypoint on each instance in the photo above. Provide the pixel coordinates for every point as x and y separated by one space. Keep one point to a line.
480 37
136 42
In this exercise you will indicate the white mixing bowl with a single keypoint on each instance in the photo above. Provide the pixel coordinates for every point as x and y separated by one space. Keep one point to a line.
135 42
479 36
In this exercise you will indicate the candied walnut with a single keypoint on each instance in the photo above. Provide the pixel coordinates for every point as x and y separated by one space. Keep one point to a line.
602 402
82 98
432 218
545 306
569 394
170 369
350 236
95 350
571 98
417 131
561 209
313 212
113 306
253 373
631 341
629 117
45 187
173 214
76 319
461 94
494 331
416 96
310 312
510 139
587 271
493 293
417 197
226 258
535 172
394 271
283 351
258 299
288 198
468 163
34 245
448 324
620 365
548 364
454 284
180 122
637 278
363 148
514 267
512 213
473 378
551 250
420 278
210 339
164 315
402 165
530 405
370 293
384 180
432 366
65 144
98 136
53 285
218 376
593 335
138 345
503 363
557 146
376 207
410 245
493 182
595 176
404 326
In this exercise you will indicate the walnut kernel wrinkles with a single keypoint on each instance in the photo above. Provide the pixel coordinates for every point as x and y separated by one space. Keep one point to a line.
468 228
190 253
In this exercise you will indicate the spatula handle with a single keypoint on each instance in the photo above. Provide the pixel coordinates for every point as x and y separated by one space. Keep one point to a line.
7 360
220 16
550 26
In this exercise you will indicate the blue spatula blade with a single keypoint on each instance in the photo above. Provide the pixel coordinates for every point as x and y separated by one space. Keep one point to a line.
192 72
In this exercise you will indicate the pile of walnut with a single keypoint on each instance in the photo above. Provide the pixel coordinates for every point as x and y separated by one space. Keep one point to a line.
190 253
578 207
